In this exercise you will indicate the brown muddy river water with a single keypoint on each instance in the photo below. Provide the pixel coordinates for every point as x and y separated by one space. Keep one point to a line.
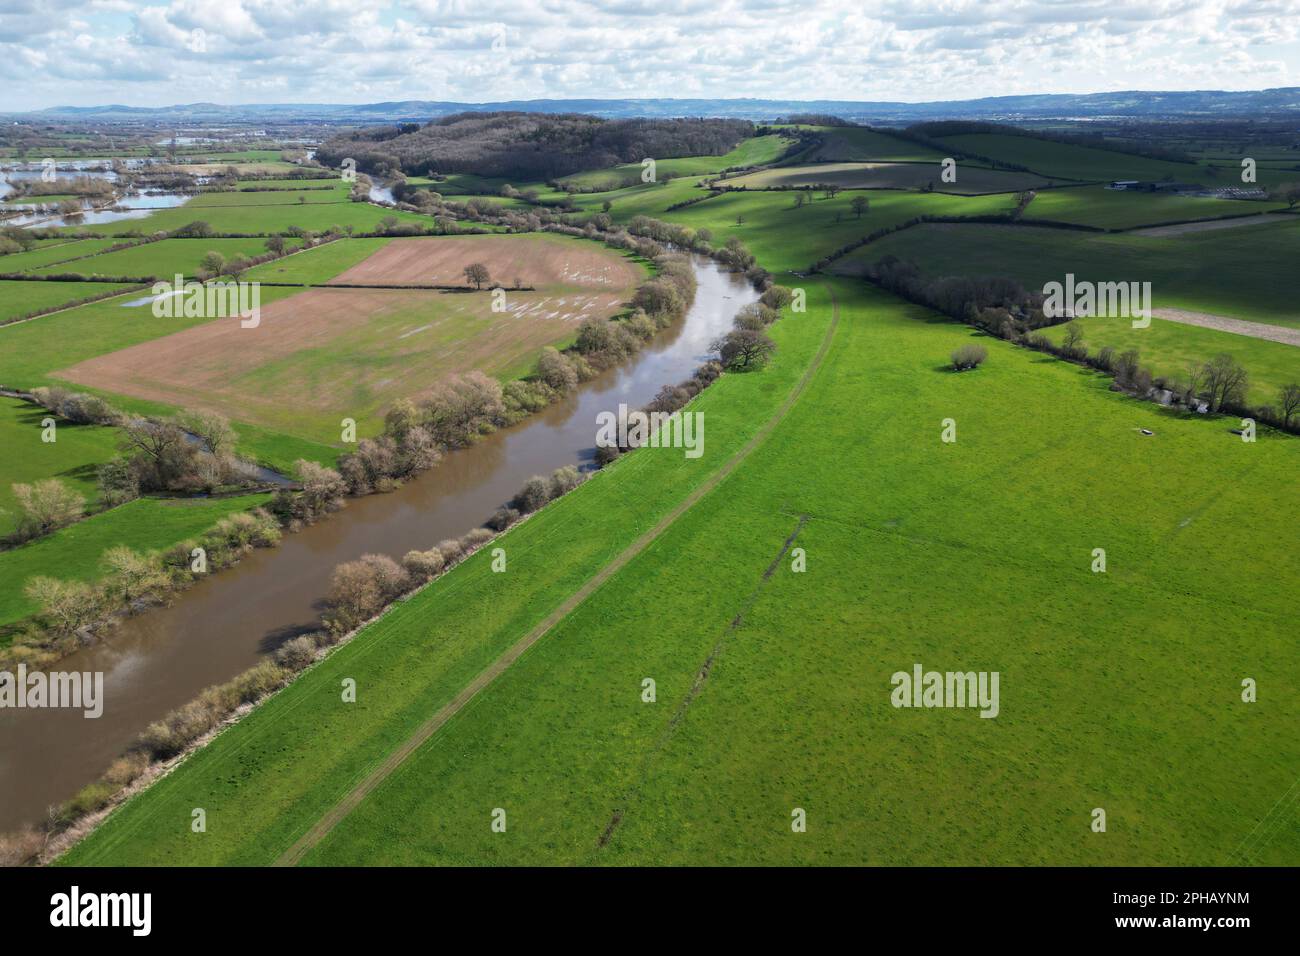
158 661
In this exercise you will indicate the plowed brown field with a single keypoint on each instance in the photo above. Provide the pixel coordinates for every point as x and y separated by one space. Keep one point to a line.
532 260
325 354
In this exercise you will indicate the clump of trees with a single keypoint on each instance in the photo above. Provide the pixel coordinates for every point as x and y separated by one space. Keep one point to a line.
360 589
321 491
160 456
747 346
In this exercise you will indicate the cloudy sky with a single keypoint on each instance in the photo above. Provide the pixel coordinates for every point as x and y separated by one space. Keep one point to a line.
142 53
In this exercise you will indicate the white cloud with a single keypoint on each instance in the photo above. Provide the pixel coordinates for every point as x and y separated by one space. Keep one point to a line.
144 51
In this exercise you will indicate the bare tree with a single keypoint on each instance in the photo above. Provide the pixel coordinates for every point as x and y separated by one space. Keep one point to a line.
1225 381
743 349
46 506
1288 401
67 605
213 428
1073 337
859 204
478 274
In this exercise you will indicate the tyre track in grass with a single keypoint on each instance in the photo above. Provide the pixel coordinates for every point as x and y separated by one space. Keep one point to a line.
425 731
630 796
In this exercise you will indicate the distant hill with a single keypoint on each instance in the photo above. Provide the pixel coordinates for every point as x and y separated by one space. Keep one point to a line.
1132 103
527 144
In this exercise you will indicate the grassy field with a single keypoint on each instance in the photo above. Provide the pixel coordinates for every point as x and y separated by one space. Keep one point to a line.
31 352
755 151
317 265
18 298
336 193
72 457
854 144
1230 272
643 199
1168 348
461 184
332 183
971 180
786 238
47 252
242 168
259 219
1122 209
73 553
589 774
1067 161
965 556
161 260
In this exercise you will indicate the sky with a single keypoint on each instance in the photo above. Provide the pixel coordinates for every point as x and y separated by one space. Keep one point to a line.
141 53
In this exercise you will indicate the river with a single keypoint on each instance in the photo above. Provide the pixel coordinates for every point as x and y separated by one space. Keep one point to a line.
157 661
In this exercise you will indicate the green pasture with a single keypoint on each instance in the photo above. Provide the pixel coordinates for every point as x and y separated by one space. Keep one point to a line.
1169 348
1129 209
19 297
260 219
857 144
917 551
1067 161
162 259
49 251
971 180
74 553
755 151
1231 272
72 457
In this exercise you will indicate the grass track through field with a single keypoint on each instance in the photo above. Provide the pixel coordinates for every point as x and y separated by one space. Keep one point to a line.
426 730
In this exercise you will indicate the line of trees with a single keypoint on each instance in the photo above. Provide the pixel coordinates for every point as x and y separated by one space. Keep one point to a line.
1002 308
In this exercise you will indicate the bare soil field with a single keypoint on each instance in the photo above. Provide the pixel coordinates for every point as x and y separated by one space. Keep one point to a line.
538 261
325 354
1255 330
1212 225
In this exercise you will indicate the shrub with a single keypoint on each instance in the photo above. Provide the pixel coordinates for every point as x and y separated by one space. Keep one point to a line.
423 565
968 357
297 653
503 519
564 480
46 506
535 493
360 589
256 682
65 605
17 848
452 550
556 370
